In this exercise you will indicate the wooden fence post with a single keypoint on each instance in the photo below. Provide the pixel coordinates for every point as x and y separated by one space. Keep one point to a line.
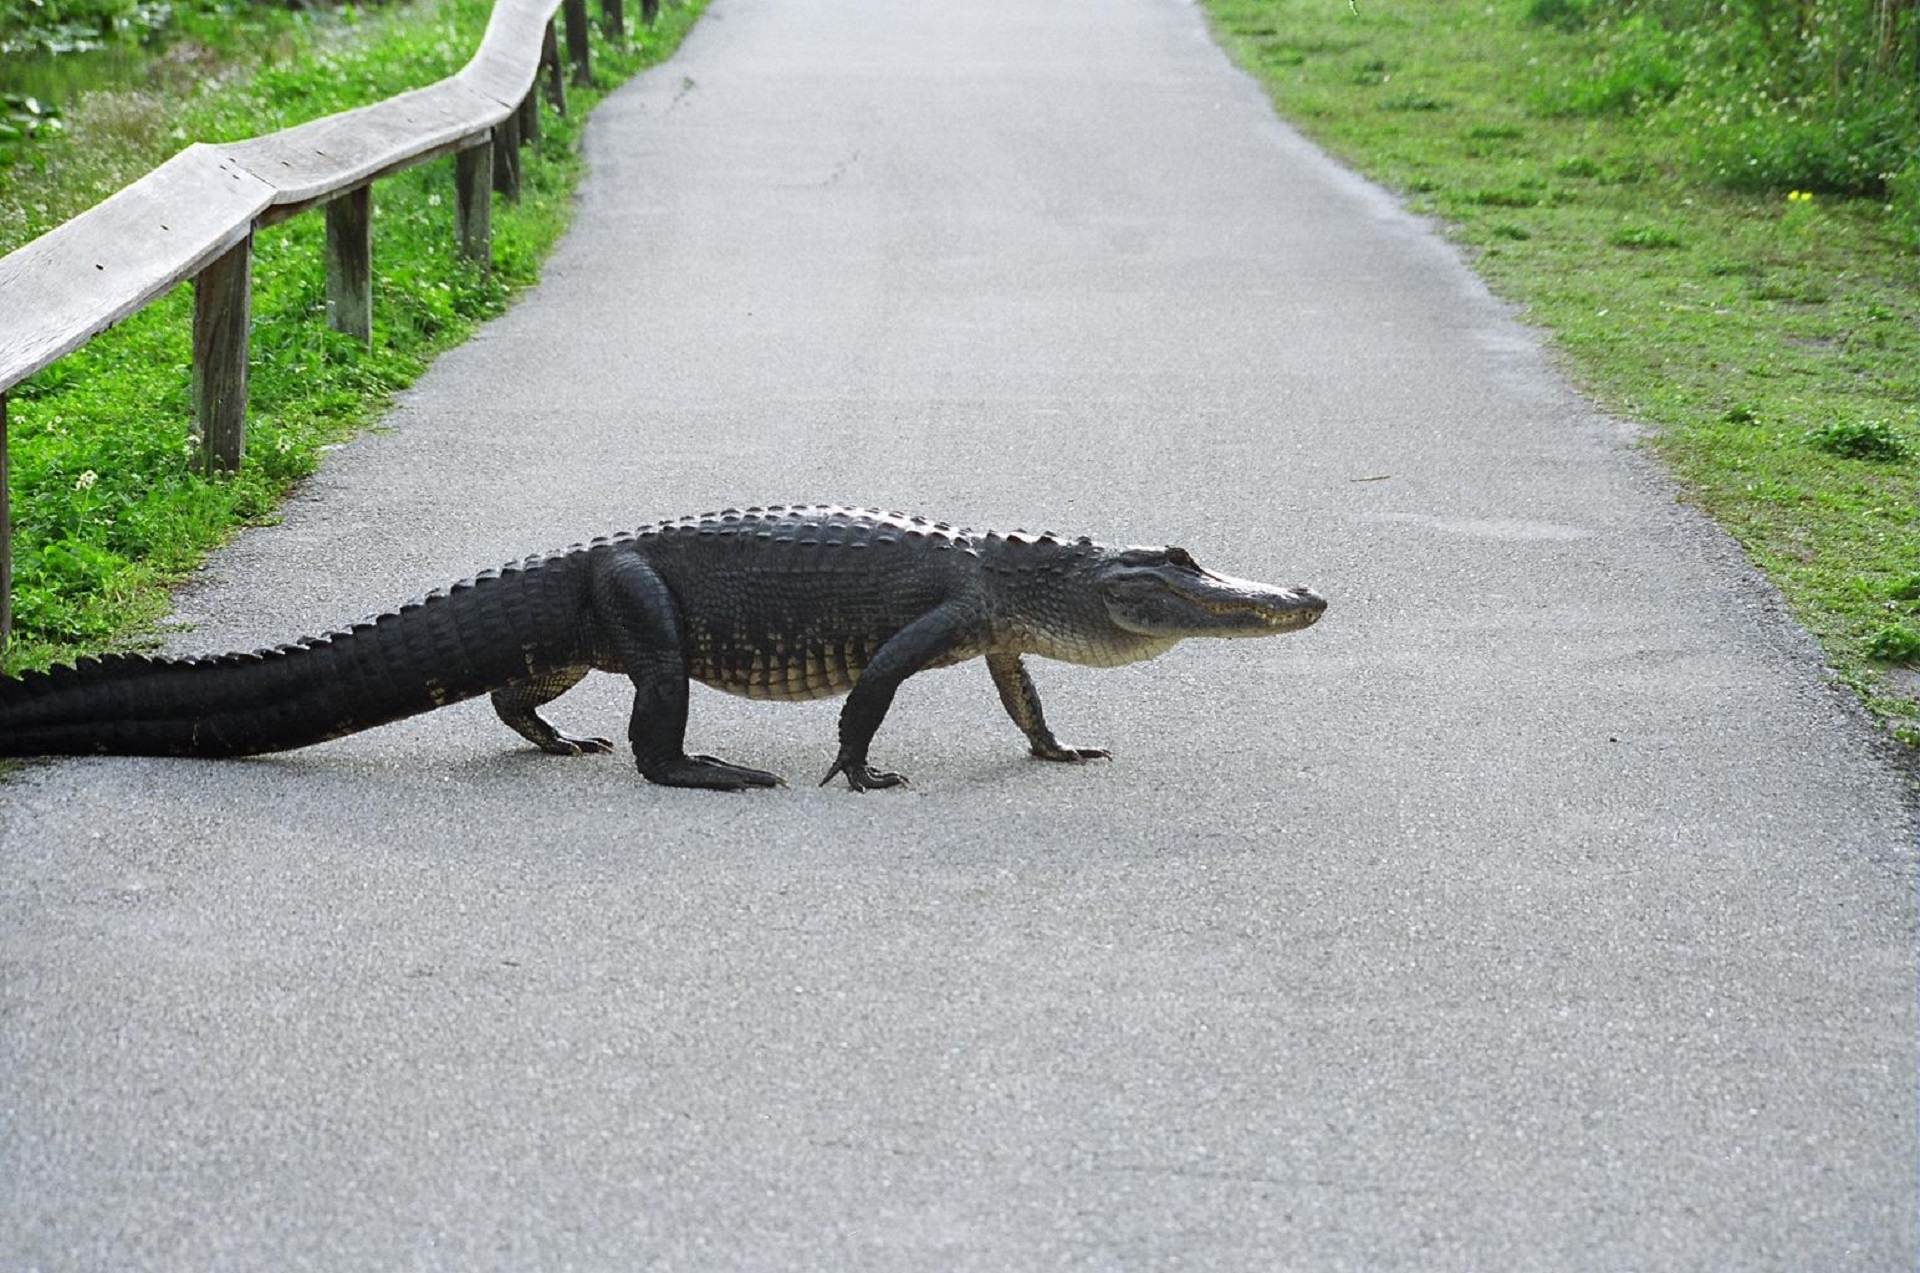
506 157
649 11
350 264
613 19
6 536
578 48
529 117
556 74
220 315
473 201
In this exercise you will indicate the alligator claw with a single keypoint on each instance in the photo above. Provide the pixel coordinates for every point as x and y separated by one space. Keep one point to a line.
566 745
863 777
710 774
1072 755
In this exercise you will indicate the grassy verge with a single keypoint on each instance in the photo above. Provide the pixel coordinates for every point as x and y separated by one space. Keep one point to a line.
106 510
1769 338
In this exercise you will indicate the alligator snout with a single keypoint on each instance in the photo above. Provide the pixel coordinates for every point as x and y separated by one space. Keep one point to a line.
1300 607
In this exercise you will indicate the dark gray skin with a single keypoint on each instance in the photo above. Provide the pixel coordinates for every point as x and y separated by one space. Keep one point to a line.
783 603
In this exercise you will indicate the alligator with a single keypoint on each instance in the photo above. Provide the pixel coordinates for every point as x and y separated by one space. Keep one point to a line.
785 602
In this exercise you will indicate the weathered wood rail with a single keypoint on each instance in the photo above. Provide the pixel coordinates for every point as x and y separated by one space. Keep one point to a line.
193 218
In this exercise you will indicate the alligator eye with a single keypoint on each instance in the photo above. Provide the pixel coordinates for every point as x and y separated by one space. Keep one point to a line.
1181 557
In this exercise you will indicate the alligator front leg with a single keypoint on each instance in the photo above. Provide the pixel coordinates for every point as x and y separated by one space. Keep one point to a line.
915 646
517 706
640 622
1022 702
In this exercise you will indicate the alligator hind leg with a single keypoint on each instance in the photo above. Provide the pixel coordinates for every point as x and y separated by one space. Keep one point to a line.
517 706
1022 702
638 620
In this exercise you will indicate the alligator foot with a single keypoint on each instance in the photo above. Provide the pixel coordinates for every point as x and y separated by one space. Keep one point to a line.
1060 751
861 776
567 745
708 773
518 706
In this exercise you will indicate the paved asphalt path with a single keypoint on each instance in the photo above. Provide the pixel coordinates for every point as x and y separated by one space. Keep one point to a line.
1542 909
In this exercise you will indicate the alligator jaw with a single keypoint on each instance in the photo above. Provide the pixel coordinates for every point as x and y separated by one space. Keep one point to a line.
1242 608
1164 593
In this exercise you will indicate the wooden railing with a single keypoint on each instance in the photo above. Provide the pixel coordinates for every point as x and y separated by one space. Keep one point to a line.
193 218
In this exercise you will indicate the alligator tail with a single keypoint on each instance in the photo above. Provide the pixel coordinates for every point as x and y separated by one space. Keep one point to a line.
479 635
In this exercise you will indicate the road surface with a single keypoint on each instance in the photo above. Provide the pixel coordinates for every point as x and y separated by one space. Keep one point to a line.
1543 908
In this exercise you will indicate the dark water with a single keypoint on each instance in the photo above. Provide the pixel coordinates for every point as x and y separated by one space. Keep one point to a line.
57 78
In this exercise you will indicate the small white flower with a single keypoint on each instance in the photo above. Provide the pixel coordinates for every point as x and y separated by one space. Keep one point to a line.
85 481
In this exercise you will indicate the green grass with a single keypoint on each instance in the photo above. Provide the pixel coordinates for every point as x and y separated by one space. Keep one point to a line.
107 510
1769 338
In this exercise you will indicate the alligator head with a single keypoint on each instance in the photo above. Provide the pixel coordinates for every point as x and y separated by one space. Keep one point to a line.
1164 593
1121 605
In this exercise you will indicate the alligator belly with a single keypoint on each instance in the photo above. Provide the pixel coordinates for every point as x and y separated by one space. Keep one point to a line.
813 674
